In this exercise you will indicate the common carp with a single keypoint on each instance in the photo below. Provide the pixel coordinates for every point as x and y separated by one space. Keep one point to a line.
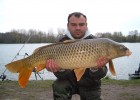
73 54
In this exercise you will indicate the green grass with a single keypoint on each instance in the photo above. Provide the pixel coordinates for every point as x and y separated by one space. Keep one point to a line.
48 83
121 82
32 83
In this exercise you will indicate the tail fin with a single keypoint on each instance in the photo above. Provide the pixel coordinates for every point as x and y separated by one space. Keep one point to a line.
24 71
15 66
24 76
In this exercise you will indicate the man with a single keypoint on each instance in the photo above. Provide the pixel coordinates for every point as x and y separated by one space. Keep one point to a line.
66 84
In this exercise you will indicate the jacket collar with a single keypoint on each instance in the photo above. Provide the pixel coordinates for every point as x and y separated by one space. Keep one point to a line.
70 36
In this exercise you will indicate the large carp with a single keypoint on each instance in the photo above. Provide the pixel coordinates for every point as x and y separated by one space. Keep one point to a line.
77 55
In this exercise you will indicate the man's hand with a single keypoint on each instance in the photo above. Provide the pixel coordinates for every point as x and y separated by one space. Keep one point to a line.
101 62
52 66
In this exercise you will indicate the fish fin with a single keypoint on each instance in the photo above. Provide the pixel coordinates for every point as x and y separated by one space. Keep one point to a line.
68 41
40 67
79 72
24 71
36 50
24 77
15 66
111 68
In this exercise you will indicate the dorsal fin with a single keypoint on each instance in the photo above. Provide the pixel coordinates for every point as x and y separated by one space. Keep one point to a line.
36 50
69 41
64 42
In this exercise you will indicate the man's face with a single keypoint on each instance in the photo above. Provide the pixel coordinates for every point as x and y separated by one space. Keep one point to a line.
77 26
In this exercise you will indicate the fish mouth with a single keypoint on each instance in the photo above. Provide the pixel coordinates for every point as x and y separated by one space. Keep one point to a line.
128 53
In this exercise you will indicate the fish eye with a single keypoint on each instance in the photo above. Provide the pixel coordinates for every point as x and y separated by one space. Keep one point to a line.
122 46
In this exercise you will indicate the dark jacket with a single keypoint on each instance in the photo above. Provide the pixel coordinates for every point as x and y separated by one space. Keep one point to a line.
89 79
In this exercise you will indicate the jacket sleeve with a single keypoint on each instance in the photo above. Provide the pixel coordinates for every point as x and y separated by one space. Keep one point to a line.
98 74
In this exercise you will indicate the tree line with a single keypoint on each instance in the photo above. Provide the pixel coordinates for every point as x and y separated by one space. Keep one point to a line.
37 36
30 36
133 36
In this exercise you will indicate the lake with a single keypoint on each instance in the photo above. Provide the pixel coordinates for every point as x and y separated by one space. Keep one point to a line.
123 65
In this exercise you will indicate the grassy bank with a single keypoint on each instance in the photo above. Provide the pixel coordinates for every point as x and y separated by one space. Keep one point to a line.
40 90
121 82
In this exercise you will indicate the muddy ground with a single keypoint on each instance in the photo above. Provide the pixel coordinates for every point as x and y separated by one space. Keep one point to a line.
41 90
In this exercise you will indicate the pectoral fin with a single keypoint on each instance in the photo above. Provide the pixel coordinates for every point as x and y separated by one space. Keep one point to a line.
79 73
111 68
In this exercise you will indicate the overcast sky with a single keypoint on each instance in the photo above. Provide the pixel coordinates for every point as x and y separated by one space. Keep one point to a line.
103 15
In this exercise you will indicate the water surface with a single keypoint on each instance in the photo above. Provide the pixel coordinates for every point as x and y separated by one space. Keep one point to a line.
123 65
